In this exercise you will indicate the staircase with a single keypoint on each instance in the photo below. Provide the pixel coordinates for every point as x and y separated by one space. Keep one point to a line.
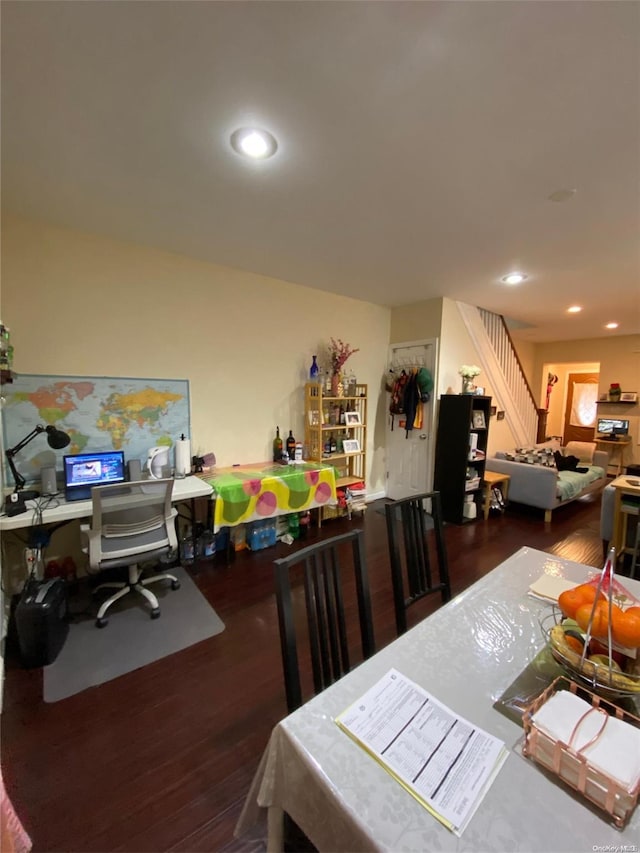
501 366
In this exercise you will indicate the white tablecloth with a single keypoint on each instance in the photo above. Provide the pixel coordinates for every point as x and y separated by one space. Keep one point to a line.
466 654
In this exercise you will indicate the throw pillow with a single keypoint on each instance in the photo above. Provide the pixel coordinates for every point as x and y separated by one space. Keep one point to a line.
584 450
552 444
531 456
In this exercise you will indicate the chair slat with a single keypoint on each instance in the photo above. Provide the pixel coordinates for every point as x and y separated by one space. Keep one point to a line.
326 614
412 524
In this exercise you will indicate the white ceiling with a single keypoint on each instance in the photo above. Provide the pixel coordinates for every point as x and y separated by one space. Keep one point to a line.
418 143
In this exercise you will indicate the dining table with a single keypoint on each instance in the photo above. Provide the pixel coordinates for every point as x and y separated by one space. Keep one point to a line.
468 654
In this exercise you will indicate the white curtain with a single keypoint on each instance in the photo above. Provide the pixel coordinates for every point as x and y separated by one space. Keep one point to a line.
583 406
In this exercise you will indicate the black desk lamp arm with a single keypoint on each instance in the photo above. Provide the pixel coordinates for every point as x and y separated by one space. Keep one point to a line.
18 478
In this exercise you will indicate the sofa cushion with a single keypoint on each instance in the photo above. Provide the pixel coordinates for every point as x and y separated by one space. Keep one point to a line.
584 450
571 483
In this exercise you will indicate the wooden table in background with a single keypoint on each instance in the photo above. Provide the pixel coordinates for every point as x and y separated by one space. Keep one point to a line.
490 480
611 446
624 486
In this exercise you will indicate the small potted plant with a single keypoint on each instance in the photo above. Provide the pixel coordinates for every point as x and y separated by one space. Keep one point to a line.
614 392
468 373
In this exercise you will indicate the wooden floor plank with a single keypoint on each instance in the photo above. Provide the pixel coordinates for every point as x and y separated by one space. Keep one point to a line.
161 758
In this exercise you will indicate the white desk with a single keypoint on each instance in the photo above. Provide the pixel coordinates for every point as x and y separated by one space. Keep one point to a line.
466 654
185 489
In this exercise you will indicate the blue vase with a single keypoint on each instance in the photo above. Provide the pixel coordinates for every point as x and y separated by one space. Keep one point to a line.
314 370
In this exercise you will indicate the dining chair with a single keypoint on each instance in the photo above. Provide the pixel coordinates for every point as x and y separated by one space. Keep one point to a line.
326 568
130 523
417 552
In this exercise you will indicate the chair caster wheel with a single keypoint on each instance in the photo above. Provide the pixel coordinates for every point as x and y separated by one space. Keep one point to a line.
155 613
175 584
102 622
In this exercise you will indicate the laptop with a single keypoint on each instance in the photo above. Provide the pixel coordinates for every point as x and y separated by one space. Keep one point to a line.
82 471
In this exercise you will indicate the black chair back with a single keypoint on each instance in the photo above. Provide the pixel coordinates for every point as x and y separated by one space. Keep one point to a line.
417 552
323 566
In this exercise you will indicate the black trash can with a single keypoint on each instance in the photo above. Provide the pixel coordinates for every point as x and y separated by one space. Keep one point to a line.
41 621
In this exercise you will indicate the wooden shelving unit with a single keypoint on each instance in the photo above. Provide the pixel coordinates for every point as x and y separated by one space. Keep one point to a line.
322 416
463 423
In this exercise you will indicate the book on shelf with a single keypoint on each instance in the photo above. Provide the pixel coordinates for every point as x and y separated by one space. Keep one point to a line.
446 762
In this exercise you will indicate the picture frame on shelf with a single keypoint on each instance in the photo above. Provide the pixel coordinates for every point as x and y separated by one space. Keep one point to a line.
352 419
477 419
629 397
351 445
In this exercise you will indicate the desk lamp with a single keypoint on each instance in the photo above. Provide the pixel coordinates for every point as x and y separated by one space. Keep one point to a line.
57 439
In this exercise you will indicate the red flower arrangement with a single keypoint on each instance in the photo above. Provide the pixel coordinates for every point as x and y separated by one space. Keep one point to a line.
339 353
615 386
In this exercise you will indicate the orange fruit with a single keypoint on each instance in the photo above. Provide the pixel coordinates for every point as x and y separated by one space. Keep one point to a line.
574 643
569 601
588 593
600 624
626 627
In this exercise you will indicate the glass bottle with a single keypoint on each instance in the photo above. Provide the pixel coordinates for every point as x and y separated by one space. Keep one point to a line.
314 370
293 525
334 446
291 446
187 549
277 446
305 524
207 545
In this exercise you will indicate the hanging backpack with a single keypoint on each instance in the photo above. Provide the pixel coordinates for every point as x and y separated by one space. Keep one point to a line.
396 406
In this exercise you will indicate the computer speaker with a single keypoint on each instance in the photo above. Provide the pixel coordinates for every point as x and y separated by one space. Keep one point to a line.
134 470
48 484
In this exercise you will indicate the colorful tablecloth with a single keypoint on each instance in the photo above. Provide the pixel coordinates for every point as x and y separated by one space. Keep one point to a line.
264 490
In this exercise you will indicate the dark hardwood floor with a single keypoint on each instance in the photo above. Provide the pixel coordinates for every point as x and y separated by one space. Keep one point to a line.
162 758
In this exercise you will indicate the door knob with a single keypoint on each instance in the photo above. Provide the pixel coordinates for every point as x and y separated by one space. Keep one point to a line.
422 436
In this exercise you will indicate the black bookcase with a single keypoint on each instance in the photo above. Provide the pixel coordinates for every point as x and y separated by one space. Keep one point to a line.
461 452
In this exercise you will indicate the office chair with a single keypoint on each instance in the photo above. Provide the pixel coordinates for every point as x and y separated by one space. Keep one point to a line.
326 614
416 547
131 522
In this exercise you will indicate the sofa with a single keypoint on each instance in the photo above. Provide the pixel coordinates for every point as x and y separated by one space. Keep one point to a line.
536 481
606 520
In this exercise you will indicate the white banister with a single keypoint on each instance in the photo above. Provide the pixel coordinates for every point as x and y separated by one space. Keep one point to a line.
502 368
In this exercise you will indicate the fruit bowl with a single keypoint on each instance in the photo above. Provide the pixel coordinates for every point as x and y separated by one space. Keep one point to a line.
614 683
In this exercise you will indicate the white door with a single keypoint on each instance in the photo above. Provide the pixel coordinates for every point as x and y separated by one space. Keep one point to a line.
410 456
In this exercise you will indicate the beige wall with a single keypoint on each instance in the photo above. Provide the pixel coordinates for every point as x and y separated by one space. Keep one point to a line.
417 322
619 360
79 304
558 396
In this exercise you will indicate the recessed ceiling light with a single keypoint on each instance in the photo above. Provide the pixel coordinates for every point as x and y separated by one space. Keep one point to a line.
254 143
514 278
575 309
611 326
562 195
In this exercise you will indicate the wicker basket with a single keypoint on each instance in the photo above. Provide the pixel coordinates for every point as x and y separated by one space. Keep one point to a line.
572 767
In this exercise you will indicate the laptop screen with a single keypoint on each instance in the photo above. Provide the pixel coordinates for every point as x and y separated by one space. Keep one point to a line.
94 469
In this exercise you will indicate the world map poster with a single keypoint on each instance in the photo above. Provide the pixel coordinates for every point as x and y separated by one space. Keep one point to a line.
98 413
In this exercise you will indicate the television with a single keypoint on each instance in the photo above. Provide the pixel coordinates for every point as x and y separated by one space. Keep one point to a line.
613 426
